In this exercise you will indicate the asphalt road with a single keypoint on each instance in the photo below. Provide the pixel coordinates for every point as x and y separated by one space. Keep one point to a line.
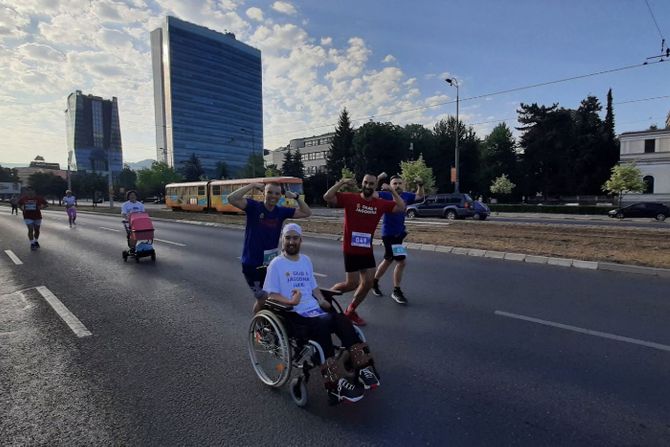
167 361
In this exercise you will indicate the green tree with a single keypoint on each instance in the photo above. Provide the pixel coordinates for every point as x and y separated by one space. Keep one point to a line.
8 175
48 185
85 184
192 169
315 187
626 177
152 181
221 171
379 147
502 186
421 140
498 155
411 170
127 178
272 171
347 173
255 167
341 150
292 165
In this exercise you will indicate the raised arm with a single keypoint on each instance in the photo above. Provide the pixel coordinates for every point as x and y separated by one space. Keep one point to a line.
330 195
420 193
399 203
236 198
303 209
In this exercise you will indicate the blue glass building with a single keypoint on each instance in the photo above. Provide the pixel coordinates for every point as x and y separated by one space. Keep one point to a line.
93 134
207 96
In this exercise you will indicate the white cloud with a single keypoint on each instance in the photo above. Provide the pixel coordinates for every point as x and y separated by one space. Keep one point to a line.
255 14
389 59
326 41
284 8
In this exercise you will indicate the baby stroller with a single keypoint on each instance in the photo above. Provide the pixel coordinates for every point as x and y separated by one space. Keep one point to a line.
140 230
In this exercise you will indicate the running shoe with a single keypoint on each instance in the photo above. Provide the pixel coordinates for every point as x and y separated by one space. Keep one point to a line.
398 296
37 244
33 246
368 378
375 289
354 317
347 391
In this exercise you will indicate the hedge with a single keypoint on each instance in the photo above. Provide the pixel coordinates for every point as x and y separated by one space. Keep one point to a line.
555 209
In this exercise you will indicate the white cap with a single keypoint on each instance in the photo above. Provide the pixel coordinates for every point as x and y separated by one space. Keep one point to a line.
291 227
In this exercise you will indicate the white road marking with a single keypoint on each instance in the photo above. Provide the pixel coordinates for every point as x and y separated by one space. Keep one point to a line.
68 317
320 275
116 230
170 242
648 344
13 257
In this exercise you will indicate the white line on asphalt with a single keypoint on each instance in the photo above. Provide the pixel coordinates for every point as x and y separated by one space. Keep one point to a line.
170 242
648 344
320 275
13 257
68 317
116 230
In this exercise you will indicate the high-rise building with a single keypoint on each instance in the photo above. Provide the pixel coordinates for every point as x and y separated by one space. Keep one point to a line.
207 96
93 134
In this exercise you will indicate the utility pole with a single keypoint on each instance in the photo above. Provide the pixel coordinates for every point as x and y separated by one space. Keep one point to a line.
109 178
453 82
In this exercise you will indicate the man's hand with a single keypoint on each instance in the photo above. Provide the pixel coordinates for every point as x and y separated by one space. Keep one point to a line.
348 181
382 176
290 195
296 295
418 181
386 187
259 186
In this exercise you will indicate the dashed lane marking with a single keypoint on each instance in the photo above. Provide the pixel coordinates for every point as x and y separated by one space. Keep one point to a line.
320 275
178 244
116 230
635 341
13 257
68 317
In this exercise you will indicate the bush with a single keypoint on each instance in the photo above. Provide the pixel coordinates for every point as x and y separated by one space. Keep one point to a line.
555 209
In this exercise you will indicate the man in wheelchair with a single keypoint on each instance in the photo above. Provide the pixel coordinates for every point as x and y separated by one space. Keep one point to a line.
290 281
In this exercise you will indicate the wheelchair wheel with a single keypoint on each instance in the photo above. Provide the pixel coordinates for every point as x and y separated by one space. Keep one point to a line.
299 391
269 349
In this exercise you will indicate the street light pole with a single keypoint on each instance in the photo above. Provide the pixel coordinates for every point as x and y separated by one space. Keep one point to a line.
109 178
453 82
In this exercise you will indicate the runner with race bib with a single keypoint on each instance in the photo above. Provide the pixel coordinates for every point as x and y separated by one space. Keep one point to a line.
362 212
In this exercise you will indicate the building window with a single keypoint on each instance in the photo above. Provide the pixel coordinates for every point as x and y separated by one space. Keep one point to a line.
649 184
649 146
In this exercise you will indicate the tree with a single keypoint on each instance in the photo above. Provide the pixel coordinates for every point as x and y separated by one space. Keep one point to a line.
85 184
626 177
609 118
192 169
292 165
127 178
411 170
348 173
255 167
498 155
502 186
221 171
315 187
342 147
378 147
48 185
421 140
9 175
272 171
152 181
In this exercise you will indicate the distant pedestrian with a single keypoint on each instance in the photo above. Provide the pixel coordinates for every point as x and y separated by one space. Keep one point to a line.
70 202
14 201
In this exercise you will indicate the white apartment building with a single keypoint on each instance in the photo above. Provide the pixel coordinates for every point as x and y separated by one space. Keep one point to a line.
313 151
650 150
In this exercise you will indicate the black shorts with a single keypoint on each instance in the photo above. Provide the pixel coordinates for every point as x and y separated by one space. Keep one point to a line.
355 263
389 242
255 278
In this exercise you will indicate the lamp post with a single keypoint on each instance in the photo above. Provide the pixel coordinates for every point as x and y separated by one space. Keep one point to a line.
253 149
454 83
110 183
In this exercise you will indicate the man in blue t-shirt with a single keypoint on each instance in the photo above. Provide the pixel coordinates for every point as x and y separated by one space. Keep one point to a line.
393 234
263 229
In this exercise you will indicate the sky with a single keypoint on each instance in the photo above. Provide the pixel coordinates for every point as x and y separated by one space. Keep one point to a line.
384 60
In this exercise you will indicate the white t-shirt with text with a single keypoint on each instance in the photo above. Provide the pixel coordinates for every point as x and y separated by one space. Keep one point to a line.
130 207
284 275
69 201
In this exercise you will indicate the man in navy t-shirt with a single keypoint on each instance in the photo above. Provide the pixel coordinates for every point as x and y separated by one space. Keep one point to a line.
393 234
263 229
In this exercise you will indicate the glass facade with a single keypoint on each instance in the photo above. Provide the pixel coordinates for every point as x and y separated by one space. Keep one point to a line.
207 96
93 134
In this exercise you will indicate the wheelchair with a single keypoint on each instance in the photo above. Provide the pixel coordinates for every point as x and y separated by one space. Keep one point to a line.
277 349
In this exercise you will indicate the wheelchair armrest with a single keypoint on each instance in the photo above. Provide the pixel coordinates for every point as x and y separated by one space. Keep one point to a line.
277 306
328 294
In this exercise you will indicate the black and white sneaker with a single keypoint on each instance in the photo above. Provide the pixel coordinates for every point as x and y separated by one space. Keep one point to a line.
33 246
375 289
398 296
347 391
368 378
37 244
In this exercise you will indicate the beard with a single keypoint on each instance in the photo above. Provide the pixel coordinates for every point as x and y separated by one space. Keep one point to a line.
292 249
367 192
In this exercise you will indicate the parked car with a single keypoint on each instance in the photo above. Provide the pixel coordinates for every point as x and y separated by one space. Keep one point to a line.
482 211
643 209
450 206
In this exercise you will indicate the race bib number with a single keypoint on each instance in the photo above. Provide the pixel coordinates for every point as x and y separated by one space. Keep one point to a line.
363 240
399 250
269 255
30 206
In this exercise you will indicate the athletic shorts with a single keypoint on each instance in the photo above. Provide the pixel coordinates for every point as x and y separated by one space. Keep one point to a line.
37 222
255 279
72 212
389 242
356 263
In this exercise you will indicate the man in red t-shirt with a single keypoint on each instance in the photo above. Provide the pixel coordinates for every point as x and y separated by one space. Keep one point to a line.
362 212
31 205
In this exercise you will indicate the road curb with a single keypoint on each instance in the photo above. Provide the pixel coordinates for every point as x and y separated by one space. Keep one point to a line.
505 256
